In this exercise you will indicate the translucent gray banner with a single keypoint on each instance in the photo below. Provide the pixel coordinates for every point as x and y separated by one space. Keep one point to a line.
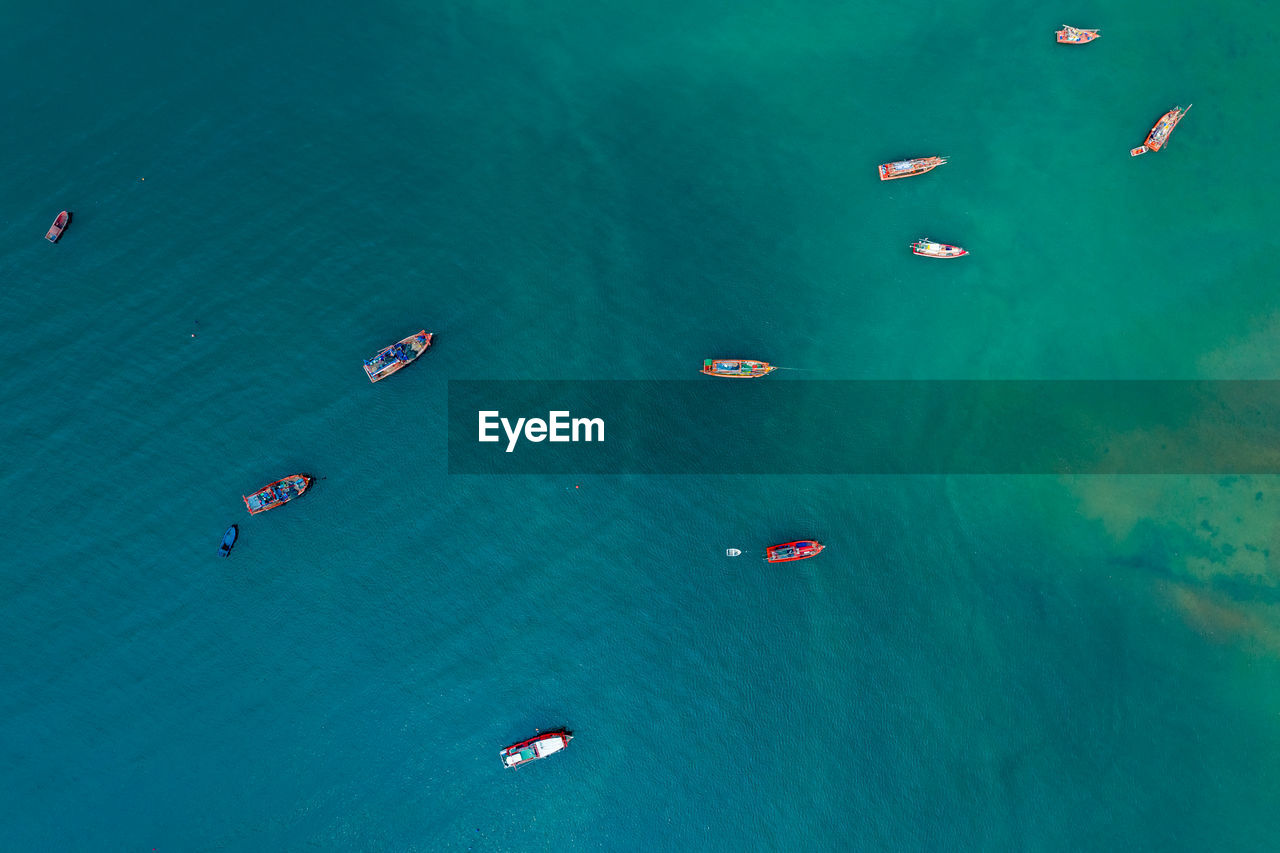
772 426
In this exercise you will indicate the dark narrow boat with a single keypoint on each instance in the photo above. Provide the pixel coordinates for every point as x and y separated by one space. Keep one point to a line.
277 494
59 225
228 541
801 549
538 746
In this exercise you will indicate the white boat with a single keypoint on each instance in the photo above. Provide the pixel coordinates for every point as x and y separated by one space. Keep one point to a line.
539 746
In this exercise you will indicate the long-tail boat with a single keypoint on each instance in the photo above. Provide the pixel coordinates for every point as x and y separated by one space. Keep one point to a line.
1159 134
736 368
1074 35
60 223
929 249
277 494
801 549
539 746
909 168
398 355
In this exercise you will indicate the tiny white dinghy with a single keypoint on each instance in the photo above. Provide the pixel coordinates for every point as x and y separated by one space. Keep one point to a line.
731 552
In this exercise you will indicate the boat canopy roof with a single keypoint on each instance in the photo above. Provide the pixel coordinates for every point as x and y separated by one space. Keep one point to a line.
548 745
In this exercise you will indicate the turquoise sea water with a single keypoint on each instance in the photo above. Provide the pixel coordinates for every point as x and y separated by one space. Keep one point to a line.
582 191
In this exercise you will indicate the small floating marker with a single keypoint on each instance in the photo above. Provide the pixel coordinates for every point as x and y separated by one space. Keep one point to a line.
731 552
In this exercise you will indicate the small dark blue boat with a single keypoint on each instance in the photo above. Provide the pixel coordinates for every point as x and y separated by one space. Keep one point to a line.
228 540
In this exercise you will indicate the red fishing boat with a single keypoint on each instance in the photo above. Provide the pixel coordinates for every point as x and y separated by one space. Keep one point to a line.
277 494
909 168
929 249
398 355
538 746
801 549
60 223
736 368
1074 35
1159 134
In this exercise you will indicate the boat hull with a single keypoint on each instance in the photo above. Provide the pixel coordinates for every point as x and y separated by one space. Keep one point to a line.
736 368
909 168
801 549
278 493
1075 35
927 248
393 359
539 746
60 223
1161 131
228 541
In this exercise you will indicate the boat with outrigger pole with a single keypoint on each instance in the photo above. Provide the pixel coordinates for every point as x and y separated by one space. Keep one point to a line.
1161 132
1075 35
397 356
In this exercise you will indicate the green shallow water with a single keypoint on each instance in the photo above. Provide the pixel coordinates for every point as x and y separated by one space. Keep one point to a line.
575 191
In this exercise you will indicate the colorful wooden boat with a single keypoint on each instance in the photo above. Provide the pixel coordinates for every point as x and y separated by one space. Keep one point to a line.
539 746
277 494
398 355
909 168
60 223
736 368
1074 35
929 249
228 541
801 549
1160 133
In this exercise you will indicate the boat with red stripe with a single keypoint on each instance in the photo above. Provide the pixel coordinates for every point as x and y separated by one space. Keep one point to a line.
927 248
801 549
540 745
278 493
